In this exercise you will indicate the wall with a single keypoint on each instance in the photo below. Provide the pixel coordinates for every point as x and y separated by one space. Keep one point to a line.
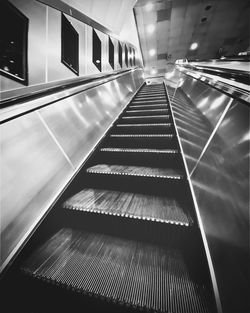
44 48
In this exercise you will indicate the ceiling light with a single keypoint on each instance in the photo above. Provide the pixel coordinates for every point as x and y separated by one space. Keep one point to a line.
149 6
194 46
151 28
152 52
153 71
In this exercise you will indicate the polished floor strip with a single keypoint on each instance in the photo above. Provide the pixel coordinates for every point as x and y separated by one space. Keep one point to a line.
131 205
135 273
140 171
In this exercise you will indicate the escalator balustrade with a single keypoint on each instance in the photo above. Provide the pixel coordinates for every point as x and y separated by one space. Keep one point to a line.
129 235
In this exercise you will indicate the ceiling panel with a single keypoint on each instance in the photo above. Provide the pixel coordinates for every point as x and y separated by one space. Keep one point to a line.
218 26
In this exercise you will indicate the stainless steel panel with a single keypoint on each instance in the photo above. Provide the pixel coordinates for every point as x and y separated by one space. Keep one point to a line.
208 100
79 122
197 109
36 13
41 150
32 170
221 185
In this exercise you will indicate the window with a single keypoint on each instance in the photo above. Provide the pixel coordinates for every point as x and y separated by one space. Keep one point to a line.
134 57
126 55
130 56
97 51
120 54
13 43
111 53
70 46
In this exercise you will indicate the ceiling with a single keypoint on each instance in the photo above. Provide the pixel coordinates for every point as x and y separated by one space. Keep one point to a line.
110 13
220 27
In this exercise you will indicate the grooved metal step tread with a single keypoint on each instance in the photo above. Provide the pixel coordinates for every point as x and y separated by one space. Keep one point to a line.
128 150
150 97
145 125
135 273
141 135
130 205
142 106
147 110
140 171
150 100
147 116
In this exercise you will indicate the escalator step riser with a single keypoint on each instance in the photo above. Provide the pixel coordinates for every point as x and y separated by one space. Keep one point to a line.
139 157
138 129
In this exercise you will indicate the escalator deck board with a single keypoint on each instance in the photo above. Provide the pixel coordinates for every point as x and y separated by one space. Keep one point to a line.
165 173
130 205
128 272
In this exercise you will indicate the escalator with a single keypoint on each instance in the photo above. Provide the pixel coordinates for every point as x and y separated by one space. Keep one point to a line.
124 236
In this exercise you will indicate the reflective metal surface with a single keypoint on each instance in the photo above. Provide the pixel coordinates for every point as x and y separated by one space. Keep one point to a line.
197 109
221 185
42 150
214 134
32 170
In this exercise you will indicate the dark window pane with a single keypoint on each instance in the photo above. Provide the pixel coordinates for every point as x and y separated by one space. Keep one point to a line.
126 55
111 53
13 43
70 46
130 56
134 57
97 51
120 54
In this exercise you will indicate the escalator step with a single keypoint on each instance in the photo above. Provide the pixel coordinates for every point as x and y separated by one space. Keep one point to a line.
160 101
130 205
140 135
147 106
150 128
142 171
145 125
127 150
142 275
147 116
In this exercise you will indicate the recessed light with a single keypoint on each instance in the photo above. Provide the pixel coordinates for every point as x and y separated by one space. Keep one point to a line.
151 28
152 52
153 72
194 46
148 7
208 7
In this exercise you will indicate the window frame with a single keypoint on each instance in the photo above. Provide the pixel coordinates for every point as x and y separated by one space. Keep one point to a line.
98 65
112 56
126 55
23 80
120 51
69 66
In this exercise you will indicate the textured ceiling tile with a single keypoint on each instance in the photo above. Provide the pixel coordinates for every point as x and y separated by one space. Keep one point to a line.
163 15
